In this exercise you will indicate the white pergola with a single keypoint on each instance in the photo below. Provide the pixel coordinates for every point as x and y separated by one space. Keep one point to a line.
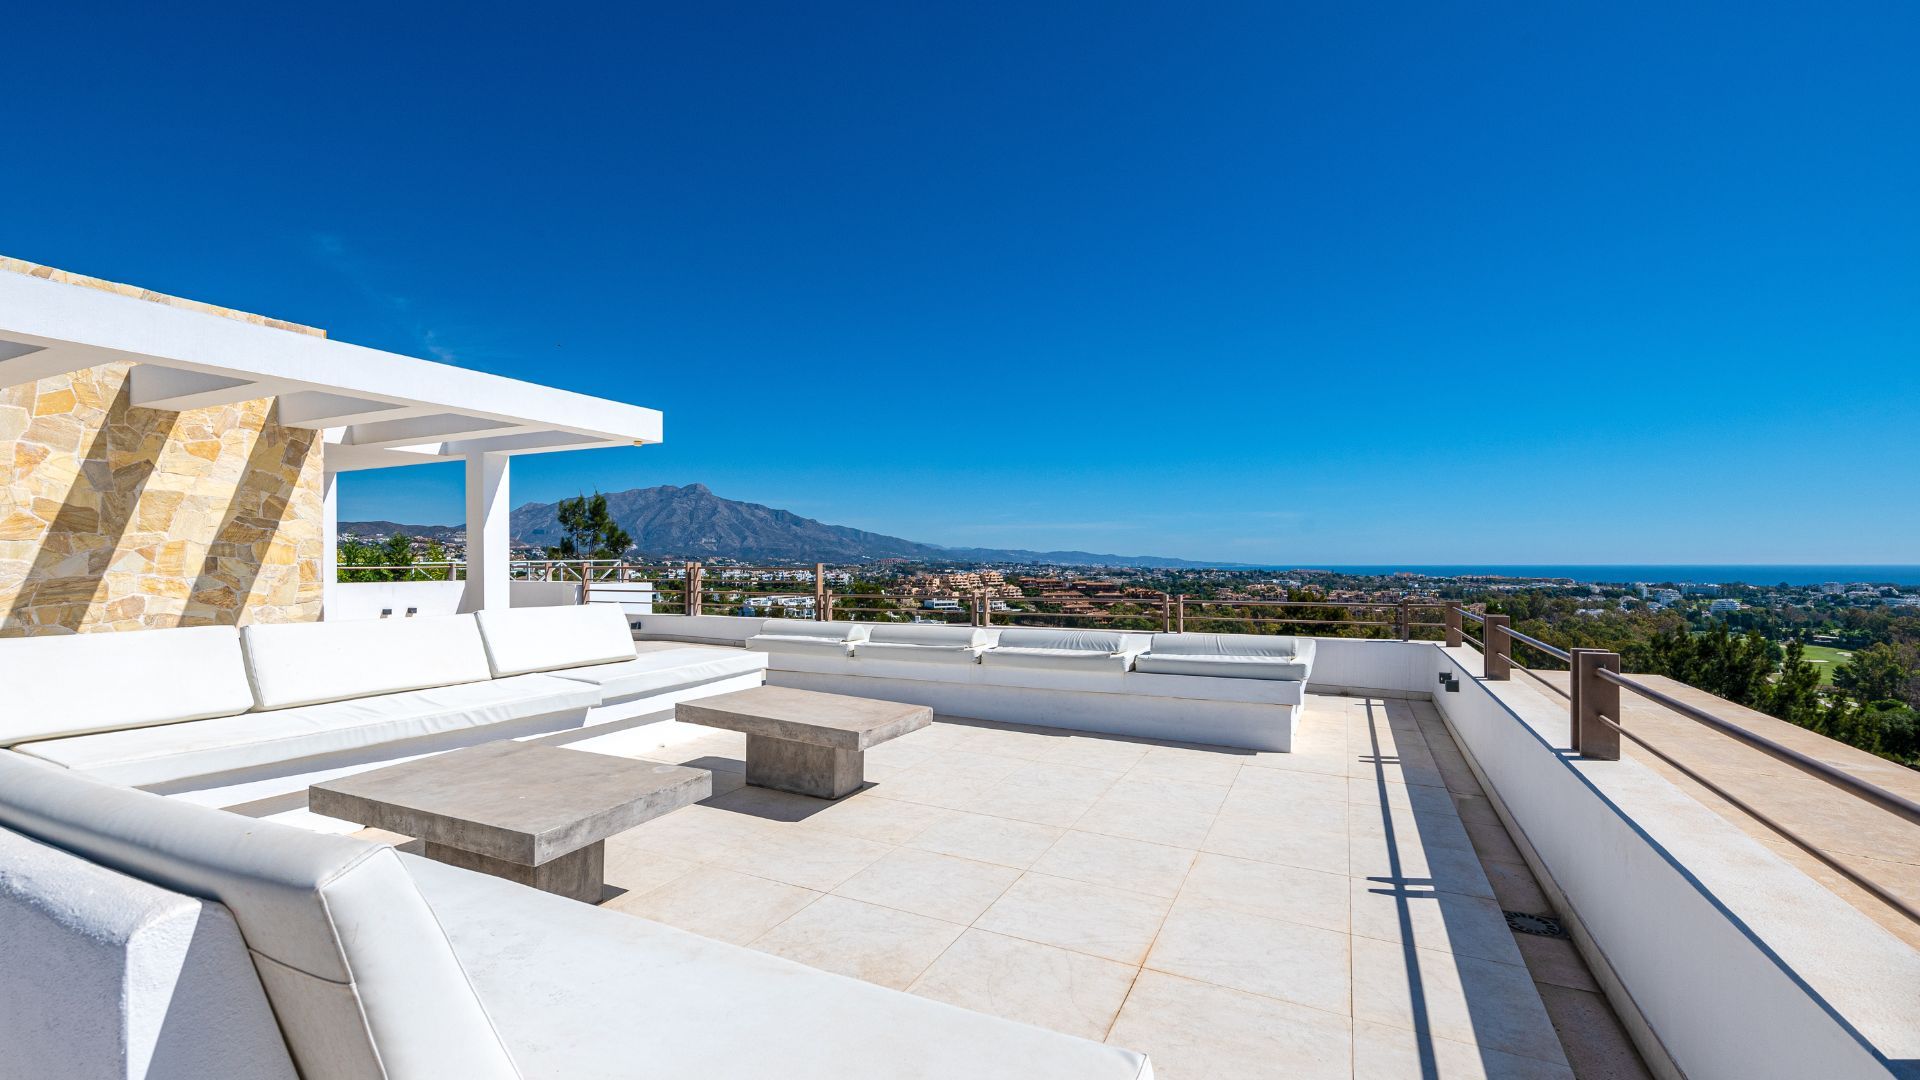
377 409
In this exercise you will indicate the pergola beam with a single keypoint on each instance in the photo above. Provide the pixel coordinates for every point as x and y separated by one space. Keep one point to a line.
176 389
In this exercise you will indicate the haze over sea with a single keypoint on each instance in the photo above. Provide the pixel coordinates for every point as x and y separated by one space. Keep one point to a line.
1656 574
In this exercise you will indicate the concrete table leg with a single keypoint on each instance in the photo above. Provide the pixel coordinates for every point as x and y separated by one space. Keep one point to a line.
804 768
577 875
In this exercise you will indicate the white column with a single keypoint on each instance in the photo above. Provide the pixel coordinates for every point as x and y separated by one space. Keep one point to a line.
329 541
487 512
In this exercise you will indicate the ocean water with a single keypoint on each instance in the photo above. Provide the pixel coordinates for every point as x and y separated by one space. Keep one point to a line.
1699 575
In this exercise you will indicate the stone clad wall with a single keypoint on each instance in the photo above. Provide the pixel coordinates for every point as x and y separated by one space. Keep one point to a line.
120 518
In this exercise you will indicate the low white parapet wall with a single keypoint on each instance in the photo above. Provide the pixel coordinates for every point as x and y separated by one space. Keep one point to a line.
368 599
1723 959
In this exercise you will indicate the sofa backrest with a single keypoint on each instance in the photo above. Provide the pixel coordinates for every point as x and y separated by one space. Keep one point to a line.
929 634
360 975
307 663
1266 646
76 684
807 628
522 640
1105 642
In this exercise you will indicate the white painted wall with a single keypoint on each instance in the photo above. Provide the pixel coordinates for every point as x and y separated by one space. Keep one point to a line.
111 978
1732 962
366 599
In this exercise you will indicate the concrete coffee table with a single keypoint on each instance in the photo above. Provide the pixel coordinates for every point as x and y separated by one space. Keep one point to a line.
805 742
538 815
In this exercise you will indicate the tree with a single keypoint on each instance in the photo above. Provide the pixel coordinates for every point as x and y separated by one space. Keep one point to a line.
1876 673
397 553
588 530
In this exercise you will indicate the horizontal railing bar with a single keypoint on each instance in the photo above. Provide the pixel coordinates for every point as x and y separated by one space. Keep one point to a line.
1469 637
1845 781
1541 681
1895 902
1474 615
1541 645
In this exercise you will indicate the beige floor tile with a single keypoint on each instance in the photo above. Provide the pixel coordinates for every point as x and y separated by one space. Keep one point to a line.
1268 841
1195 1031
871 817
1407 861
1169 792
1094 752
1273 890
865 941
721 904
1476 809
1199 766
1154 869
1032 744
1370 791
1458 997
810 858
1047 793
1330 761
962 762
1110 923
697 833
988 839
1419 915
1492 842
638 871
1408 826
1288 960
1596 1043
1381 1052
1556 961
928 883
930 785
1021 980
1296 799
1514 888
1392 770
1156 823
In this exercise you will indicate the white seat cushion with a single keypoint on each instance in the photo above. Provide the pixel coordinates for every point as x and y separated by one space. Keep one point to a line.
583 993
802 628
520 640
931 634
1056 659
1224 667
814 646
157 755
307 663
76 683
912 652
666 669
360 975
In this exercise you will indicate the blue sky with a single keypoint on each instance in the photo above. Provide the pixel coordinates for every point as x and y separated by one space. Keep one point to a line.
1271 283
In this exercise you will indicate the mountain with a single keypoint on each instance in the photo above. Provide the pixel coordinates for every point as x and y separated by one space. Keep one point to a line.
692 522
380 530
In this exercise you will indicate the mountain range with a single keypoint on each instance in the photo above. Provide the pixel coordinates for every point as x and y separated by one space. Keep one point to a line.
691 522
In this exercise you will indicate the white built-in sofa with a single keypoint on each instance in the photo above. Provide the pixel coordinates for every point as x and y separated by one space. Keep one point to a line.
1236 690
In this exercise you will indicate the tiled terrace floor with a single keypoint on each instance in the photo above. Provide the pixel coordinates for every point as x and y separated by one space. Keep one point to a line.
1325 913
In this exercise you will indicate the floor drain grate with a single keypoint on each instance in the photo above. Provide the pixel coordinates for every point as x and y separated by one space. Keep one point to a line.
1538 925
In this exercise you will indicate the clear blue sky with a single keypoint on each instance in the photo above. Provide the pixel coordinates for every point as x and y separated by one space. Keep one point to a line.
1265 282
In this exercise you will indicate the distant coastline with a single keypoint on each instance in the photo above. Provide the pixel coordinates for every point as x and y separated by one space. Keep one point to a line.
1750 574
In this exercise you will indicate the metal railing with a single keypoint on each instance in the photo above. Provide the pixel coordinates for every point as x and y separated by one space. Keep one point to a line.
1597 726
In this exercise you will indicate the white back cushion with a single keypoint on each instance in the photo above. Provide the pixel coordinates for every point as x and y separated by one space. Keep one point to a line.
806 628
523 640
358 971
80 683
928 634
1261 645
1094 641
308 663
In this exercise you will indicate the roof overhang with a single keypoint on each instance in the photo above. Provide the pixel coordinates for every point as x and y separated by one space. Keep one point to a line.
378 408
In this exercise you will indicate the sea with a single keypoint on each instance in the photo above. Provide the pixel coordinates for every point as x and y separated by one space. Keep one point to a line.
1696 575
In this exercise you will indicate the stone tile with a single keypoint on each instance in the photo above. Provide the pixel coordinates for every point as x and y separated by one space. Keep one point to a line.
1009 740
1410 862
1476 809
928 883
1195 1031
1115 861
1408 826
1029 982
698 833
1273 890
720 904
1381 1052
1596 1044
1455 997
988 839
1200 766
1094 752
1555 960
1492 842
810 858
957 762
1266 841
1170 792
1515 889
1288 960
1369 791
930 785
1447 922
878 944
1110 923
638 871
1322 762
1154 822
1047 793
870 817
1391 769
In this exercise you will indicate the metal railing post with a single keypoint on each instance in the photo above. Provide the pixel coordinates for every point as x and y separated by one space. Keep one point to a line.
1592 698
820 592
693 588
1499 654
1166 614
1406 619
1180 614
986 608
1454 628
828 595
